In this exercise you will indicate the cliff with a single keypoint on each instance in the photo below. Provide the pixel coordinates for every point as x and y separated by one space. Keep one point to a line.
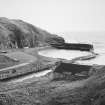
19 34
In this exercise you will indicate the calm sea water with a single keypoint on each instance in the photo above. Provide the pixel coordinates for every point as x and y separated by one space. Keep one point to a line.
95 38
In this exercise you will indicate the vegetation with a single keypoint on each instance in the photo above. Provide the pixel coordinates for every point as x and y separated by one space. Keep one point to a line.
19 34
48 91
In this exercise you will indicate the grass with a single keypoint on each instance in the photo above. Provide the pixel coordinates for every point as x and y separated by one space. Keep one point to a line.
66 89
46 91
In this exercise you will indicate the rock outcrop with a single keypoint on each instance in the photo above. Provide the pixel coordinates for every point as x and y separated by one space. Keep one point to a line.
75 46
19 34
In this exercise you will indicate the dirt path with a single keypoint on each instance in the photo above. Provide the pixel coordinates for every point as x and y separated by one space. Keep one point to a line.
30 77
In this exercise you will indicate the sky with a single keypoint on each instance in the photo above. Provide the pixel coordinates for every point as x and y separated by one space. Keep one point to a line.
57 15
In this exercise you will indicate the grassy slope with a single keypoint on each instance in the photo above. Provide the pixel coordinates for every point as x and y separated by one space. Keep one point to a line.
17 33
46 91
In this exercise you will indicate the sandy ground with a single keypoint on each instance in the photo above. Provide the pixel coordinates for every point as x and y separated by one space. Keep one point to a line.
66 54
69 55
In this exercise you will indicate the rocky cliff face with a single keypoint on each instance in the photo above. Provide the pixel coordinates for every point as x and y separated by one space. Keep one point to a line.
19 34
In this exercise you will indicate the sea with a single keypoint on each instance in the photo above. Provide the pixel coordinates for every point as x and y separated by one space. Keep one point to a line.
97 39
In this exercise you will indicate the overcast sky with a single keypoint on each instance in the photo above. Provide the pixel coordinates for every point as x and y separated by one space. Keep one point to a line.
57 15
